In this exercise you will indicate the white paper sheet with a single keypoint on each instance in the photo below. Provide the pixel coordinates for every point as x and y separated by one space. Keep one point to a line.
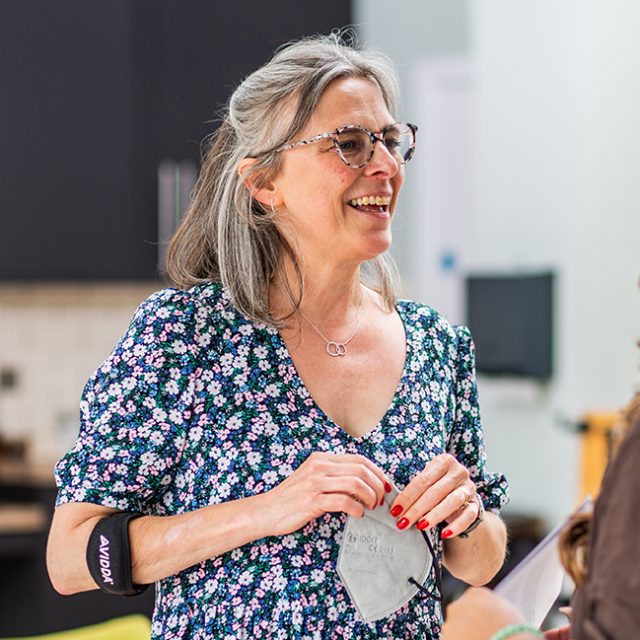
535 583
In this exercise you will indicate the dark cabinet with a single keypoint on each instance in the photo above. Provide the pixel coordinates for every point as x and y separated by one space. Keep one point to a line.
95 97
69 204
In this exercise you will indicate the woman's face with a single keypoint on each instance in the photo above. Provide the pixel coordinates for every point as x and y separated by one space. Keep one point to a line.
316 191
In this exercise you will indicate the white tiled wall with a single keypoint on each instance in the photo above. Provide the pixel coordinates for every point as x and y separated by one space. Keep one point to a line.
54 337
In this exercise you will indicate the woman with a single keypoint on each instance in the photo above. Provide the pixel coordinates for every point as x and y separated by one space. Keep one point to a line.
283 387
600 553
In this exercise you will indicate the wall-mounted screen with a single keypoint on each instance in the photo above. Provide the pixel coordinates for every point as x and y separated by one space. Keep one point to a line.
511 320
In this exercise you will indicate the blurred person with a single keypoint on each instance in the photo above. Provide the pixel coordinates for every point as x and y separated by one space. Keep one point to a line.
281 386
600 552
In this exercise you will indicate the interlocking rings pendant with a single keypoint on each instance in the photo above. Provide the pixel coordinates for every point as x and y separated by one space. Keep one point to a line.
335 349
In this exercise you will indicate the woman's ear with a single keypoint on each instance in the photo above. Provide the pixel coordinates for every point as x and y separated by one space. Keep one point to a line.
266 193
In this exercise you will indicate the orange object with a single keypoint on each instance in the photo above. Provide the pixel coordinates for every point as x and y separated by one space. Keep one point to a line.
603 432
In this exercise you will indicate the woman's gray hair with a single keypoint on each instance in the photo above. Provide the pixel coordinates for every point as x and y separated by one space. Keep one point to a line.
229 237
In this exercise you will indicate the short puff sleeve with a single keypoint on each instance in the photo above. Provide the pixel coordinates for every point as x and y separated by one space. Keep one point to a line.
466 440
135 410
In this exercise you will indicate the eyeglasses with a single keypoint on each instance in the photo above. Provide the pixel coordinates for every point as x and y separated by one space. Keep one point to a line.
355 144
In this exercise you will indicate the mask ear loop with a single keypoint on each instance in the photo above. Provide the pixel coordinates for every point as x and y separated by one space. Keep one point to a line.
436 568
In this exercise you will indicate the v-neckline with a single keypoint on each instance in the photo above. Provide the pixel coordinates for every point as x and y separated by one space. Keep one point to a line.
285 356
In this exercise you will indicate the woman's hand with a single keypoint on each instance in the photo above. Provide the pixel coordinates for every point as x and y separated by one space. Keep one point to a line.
561 633
324 483
477 615
441 492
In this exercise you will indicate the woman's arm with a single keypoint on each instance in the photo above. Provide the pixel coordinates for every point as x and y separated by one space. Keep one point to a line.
478 558
165 545
443 492
160 546
68 537
479 614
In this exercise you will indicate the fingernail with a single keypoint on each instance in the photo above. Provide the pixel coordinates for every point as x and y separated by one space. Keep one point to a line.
396 511
402 523
382 501
387 487
447 533
422 524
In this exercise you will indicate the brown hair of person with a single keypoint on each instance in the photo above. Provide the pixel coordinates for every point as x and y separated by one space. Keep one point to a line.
574 545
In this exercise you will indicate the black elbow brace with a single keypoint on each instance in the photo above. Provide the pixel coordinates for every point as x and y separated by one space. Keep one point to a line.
109 555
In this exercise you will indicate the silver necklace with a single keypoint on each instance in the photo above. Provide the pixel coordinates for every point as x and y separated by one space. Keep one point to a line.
334 348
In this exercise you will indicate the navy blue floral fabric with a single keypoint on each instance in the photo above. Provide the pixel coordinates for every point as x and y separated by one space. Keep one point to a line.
198 405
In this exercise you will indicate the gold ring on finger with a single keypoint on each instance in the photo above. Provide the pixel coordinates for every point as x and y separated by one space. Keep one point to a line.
467 499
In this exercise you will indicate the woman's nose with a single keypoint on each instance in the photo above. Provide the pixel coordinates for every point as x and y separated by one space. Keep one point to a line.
382 160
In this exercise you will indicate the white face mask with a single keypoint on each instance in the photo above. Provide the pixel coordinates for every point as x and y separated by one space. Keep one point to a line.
381 566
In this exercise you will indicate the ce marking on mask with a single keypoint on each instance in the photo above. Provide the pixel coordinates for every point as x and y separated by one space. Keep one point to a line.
370 545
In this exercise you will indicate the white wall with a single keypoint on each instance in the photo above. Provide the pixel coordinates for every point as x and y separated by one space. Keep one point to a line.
556 153
54 336
410 32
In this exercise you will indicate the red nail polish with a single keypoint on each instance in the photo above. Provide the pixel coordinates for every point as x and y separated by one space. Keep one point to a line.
402 523
422 524
382 501
387 487
396 511
447 533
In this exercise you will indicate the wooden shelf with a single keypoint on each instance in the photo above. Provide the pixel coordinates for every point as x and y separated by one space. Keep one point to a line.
26 475
22 518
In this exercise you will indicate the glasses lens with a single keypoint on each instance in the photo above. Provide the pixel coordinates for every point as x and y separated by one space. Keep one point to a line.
399 141
354 145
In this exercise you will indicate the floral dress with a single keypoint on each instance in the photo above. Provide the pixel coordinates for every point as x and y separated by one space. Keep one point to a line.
198 405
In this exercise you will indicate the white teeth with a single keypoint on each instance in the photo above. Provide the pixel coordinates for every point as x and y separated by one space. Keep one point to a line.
378 201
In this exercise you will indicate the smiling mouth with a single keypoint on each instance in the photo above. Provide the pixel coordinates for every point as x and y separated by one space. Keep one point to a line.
371 204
